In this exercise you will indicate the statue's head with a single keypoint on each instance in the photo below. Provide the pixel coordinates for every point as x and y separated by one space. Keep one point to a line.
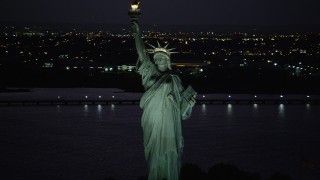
162 60
162 57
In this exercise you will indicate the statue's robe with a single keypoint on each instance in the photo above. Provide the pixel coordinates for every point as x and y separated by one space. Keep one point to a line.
161 121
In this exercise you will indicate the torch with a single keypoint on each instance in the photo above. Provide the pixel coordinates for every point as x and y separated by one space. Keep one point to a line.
134 12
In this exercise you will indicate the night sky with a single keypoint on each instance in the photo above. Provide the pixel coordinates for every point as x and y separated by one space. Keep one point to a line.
215 12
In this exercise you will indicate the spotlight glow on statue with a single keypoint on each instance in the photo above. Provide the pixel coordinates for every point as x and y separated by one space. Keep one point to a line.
165 103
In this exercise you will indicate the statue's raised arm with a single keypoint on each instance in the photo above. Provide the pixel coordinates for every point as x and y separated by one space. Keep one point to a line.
134 14
145 67
141 50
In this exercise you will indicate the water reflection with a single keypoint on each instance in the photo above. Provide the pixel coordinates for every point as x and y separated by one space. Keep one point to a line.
255 109
113 107
58 108
281 111
86 109
203 108
99 109
308 107
229 110
214 135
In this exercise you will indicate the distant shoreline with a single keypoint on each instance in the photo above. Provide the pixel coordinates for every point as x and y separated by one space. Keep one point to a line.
139 90
13 90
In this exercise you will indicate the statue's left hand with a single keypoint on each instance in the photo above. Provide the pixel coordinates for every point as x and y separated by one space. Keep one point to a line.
192 101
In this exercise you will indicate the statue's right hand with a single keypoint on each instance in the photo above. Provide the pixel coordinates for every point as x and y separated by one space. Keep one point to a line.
135 27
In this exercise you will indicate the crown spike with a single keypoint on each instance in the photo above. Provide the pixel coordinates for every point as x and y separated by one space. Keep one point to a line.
151 46
160 49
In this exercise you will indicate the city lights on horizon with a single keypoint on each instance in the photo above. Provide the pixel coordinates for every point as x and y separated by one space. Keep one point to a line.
92 51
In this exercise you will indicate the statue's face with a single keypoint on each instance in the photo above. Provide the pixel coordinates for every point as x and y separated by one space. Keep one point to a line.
161 62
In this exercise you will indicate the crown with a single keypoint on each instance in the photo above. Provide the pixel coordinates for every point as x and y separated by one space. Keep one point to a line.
160 49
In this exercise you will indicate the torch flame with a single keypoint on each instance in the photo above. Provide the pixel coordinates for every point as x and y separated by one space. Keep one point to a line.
135 5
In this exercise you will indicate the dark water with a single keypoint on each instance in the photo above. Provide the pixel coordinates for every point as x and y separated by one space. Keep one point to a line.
96 142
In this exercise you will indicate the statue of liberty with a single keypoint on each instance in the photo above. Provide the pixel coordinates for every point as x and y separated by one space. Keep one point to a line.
165 103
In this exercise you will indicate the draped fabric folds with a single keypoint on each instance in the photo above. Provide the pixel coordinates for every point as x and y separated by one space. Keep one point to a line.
161 121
